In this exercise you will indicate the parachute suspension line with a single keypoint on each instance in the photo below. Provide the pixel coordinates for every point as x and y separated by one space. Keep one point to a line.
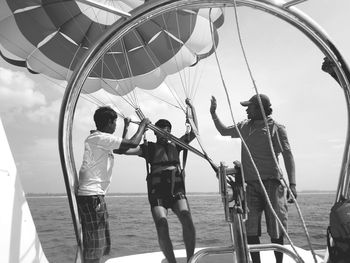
156 63
187 80
103 7
115 105
175 95
110 87
153 58
131 97
99 11
189 89
244 143
89 41
92 99
116 5
113 90
181 73
88 97
63 77
175 140
199 70
198 73
131 94
196 82
120 112
271 147
196 133
190 124
161 99
102 60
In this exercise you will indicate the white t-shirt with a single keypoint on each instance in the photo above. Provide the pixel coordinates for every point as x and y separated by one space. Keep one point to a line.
96 170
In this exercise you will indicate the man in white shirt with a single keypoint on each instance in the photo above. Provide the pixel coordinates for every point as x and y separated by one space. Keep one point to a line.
94 180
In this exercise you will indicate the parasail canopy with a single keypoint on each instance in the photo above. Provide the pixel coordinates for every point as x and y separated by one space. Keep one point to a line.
51 37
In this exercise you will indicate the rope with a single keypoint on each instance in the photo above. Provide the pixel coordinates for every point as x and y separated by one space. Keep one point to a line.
176 140
270 143
269 136
205 155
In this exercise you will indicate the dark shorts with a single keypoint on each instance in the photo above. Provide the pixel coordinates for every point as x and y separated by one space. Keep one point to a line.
257 204
94 220
163 191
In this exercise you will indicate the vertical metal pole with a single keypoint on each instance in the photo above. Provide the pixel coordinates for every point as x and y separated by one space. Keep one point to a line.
233 243
239 237
235 220
223 191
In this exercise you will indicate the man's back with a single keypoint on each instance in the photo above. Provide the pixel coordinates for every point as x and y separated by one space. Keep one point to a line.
96 170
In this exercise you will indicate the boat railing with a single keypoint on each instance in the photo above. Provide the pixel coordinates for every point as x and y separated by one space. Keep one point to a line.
232 190
252 248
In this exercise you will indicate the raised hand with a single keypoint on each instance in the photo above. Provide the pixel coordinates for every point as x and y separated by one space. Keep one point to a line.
328 66
188 102
145 121
213 105
127 121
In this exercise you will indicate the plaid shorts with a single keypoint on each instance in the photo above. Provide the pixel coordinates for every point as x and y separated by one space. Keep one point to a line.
94 220
257 204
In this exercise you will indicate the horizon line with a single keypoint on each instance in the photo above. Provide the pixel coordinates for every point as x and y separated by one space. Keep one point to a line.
145 193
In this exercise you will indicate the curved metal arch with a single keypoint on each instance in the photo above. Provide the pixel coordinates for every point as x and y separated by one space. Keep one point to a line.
289 14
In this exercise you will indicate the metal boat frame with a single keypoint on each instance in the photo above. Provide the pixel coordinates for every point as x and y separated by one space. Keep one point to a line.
284 10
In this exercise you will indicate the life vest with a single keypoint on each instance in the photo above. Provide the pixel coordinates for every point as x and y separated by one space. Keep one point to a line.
338 233
163 154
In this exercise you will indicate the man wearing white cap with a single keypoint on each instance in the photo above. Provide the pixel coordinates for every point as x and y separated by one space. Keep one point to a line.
255 135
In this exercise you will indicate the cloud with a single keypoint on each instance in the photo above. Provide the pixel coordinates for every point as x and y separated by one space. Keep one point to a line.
18 91
46 113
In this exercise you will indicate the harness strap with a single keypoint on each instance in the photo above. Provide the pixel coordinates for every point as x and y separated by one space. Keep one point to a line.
172 178
165 163
146 154
184 160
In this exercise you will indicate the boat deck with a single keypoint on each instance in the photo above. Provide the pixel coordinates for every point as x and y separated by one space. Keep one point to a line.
266 257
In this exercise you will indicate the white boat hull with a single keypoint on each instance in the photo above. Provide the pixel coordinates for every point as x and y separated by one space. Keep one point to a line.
158 257
19 242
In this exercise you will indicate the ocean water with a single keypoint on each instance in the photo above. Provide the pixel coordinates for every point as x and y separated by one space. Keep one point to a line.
133 231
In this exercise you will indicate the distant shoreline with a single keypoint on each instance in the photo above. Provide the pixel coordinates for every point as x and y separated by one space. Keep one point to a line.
33 195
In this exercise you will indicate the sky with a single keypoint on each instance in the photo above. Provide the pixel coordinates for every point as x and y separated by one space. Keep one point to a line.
285 65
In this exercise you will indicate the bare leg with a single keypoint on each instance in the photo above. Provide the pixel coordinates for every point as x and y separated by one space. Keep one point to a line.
159 214
181 209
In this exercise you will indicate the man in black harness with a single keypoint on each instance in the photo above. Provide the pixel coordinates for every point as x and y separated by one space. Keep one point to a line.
166 186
